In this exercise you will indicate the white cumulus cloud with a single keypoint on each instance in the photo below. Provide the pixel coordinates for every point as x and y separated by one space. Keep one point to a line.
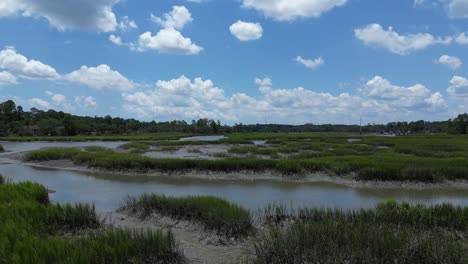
450 61
311 64
116 40
92 15
177 18
167 40
462 39
39 103
21 66
417 96
7 78
187 99
286 10
375 35
127 24
246 31
458 87
101 77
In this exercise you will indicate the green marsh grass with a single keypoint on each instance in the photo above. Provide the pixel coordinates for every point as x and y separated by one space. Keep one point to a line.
1 148
343 242
428 158
424 217
32 232
213 213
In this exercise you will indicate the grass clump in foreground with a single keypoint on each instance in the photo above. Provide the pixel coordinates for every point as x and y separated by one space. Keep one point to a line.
32 230
342 242
213 213
390 233
432 217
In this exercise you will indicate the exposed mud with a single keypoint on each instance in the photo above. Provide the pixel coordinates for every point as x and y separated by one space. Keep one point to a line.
197 244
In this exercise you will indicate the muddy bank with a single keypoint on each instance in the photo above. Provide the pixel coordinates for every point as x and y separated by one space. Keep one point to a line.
197 244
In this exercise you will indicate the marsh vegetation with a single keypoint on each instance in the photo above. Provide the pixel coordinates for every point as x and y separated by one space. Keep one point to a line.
36 231
430 158
213 213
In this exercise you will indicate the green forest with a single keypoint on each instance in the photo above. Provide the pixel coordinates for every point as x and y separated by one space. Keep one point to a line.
15 121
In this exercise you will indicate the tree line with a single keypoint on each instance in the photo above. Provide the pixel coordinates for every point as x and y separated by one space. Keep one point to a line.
15 121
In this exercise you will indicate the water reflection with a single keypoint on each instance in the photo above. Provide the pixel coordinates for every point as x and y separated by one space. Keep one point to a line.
106 191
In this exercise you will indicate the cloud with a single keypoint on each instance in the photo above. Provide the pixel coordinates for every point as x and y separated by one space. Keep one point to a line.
177 18
311 64
100 78
21 66
458 87
90 15
187 99
287 10
167 40
127 24
116 40
417 96
87 102
457 8
246 31
450 61
39 103
375 35
263 82
462 39
7 78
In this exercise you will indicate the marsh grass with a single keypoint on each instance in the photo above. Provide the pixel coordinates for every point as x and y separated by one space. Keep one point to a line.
427 217
343 242
32 232
430 159
98 149
213 213
1 148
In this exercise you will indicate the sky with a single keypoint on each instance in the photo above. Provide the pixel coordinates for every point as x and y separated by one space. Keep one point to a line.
238 61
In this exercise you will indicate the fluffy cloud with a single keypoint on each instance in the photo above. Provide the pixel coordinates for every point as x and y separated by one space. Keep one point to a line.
167 40
87 102
39 103
263 82
7 78
458 87
93 15
462 39
116 40
100 78
450 61
246 31
127 24
21 66
311 64
375 35
177 18
417 96
187 99
285 10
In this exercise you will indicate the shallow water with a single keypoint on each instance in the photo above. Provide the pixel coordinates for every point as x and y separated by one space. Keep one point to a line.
202 138
28 146
107 191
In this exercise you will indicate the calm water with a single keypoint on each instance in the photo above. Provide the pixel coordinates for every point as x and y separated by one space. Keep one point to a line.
106 191
202 138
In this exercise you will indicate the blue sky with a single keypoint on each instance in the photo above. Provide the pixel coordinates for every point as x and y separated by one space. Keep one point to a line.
249 61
